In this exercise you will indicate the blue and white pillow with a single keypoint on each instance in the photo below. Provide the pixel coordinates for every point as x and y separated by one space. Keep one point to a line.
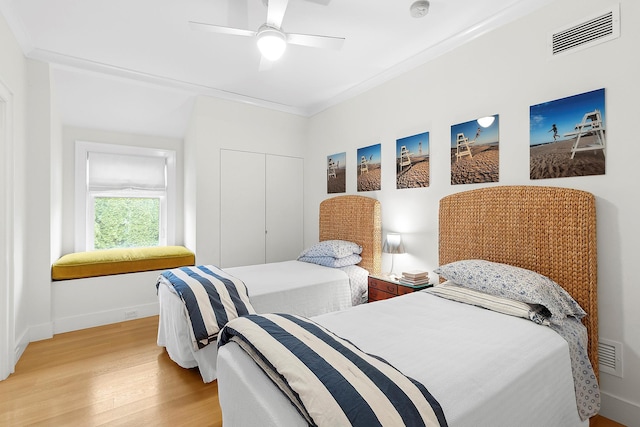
328 261
515 283
332 248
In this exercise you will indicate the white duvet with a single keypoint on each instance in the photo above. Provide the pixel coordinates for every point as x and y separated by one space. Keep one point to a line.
292 287
485 368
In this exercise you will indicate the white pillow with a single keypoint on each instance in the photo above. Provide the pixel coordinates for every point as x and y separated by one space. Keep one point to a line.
514 283
328 261
332 248
533 312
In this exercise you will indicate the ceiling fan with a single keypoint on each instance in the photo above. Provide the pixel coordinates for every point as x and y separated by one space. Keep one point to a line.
271 40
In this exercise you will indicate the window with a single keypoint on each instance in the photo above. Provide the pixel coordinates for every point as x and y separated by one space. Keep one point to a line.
124 196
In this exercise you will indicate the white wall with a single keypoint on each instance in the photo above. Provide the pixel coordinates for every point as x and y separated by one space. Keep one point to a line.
72 134
505 72
39 166
217 124
56 160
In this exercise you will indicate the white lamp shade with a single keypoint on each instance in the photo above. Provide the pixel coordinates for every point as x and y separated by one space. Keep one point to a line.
393 244
272 43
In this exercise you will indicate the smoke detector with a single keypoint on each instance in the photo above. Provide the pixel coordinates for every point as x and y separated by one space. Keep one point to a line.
419 8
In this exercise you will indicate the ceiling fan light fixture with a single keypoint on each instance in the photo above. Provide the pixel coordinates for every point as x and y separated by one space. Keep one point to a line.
271 42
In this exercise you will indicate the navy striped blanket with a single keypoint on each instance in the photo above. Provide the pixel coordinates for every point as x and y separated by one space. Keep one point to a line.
329 380
211 297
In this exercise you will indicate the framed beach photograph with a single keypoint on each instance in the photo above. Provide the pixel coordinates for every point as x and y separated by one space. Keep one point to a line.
567 137
336 173
369 168
475 151
412 161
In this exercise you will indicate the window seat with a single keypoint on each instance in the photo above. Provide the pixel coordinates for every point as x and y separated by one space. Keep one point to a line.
118 261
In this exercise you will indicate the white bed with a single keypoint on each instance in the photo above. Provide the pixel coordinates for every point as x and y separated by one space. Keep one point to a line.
273 288
292 287
485 368
507 370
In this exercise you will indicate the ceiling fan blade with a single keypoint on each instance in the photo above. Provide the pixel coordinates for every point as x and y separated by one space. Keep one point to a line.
275 12
220 29
323 42
322 2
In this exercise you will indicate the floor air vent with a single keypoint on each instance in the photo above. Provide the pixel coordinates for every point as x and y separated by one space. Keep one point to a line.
610 357
598 29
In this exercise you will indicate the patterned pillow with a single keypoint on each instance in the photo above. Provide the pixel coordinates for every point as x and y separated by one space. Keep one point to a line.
515 283
332 248
328 261
534 312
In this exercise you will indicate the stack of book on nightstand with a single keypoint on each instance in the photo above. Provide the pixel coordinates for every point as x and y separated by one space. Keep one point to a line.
414 278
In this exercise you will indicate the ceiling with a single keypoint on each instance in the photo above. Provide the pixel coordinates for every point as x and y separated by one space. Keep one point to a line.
136 66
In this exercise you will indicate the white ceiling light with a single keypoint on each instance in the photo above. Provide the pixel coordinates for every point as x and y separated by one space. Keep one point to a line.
485 122
419 8
271 42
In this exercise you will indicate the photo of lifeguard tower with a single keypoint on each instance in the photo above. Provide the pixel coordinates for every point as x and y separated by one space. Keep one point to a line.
412 161
568 137
591 125
463 145
475 151
369 168
337 173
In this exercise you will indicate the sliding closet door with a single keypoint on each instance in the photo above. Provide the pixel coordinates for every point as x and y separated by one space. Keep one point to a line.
284 208
242 208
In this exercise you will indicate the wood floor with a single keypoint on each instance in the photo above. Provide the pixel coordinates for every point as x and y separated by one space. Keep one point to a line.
112 375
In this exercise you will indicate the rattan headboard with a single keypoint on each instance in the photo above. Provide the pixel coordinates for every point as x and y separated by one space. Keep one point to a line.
355 219
545 229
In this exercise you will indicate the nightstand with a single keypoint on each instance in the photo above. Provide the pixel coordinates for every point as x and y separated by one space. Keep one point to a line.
383 287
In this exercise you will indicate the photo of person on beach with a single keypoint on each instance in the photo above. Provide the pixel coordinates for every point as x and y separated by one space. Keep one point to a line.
475 151
337 173
369 168
577 147
412 161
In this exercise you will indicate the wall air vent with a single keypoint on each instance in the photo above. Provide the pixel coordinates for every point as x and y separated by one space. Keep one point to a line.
598 29
610 357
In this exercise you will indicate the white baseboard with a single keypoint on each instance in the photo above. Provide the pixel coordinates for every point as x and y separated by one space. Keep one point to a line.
91 320
620 410
21 344
40 332
34 333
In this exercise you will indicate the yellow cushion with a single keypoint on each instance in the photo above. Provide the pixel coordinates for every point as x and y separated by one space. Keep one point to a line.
117 261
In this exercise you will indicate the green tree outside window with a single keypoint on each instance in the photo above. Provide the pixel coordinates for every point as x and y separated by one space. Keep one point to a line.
125 222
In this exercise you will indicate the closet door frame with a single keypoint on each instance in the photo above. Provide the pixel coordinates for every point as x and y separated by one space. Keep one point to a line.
7 322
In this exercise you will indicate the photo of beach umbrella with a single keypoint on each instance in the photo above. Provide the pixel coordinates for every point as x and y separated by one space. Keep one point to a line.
568 137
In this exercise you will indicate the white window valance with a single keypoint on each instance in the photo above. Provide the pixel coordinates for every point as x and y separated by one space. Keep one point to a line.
107 171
